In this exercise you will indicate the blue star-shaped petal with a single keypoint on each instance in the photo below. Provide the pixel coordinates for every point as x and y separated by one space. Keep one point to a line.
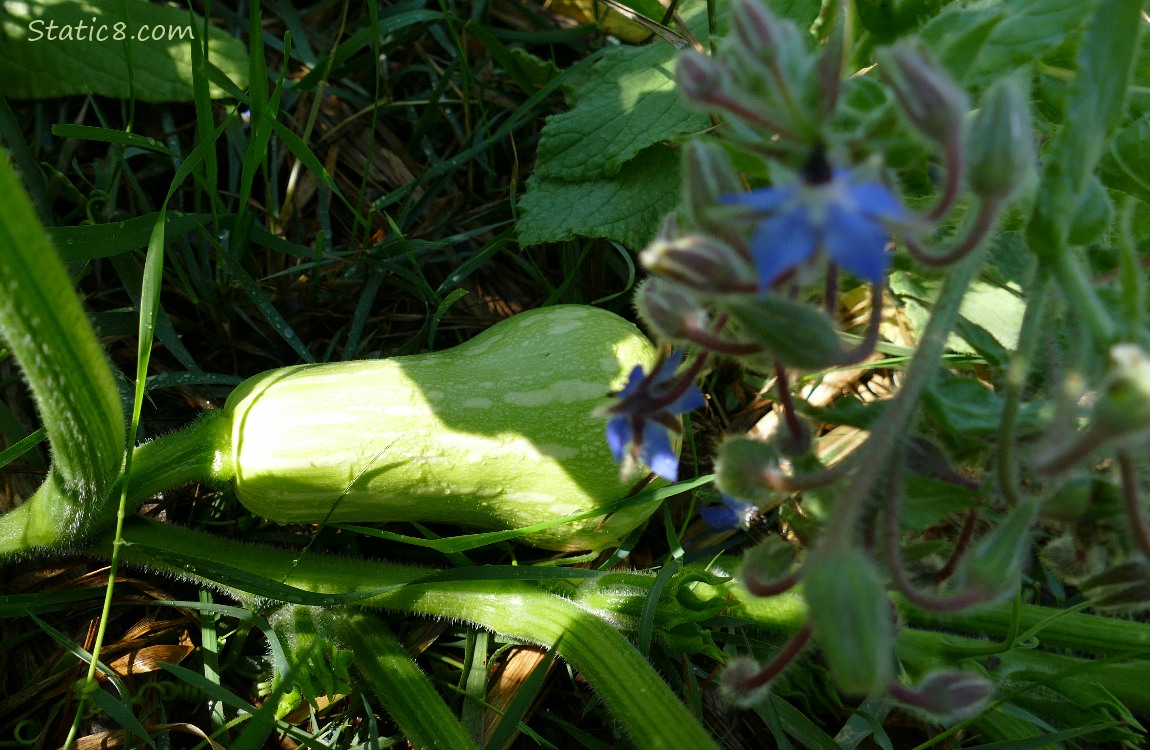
842 217
640 424
732 514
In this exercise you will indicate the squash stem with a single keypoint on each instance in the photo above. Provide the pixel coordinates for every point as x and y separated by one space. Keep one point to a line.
406 692
637 697
199 452
45 327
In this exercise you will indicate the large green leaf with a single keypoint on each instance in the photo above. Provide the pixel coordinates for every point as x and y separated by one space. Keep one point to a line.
626 103
54 48
994 309
626 207
601 171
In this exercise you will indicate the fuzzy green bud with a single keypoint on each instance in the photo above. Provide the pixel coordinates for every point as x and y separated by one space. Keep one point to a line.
851 619
766 563
1119 589
932 102
1000 143
739 466
797 334
1124 407
669 310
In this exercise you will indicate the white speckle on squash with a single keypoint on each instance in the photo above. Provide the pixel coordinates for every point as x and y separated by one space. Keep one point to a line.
481 347
559 392
562 328
434 395
477 403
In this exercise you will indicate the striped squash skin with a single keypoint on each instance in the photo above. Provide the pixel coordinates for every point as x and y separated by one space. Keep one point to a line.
496 433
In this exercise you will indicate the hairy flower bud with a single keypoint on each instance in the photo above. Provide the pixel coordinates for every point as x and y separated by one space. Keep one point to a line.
756 28
699 77
767 562
1000 143
737 683
930 99
670 311
797 334
852 618
739 466
700 262
1124 406
1119 589
948 695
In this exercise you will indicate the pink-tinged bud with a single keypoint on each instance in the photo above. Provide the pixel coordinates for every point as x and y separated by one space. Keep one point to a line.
1000 143
930 99
756 28
702 263
852 619
948 696
671 312
737 683
1121 589
699 77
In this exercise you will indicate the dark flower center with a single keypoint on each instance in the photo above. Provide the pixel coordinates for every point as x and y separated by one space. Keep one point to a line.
817 170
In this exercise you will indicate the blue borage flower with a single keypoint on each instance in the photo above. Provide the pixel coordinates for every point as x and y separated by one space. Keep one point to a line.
640 424
826 211
732 514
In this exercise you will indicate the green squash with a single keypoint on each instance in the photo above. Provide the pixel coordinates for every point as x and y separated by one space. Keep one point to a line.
496 433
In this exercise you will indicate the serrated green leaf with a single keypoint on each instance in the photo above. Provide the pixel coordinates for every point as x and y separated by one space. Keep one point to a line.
57 48
626 208
627 103
981 43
